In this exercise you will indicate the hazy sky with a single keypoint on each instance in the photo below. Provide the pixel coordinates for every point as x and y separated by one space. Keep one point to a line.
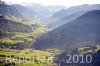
57 2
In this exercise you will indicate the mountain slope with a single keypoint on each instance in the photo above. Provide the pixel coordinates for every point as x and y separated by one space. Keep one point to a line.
15 30
80 32
12 26
18 35
27 13
69 11
61 17
7 10
66 19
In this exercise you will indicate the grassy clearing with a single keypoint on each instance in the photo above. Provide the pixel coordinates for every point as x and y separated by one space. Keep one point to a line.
17 37
84 50
41 59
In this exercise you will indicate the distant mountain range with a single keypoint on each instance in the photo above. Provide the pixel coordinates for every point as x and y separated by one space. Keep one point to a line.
44 12
80 32
29 11
66 15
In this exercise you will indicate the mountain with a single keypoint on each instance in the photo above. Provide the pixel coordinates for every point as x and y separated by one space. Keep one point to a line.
7 10
80 32
60 17
18 26
18 35
11 26
43 12
27 13
71 10
17 11
66 19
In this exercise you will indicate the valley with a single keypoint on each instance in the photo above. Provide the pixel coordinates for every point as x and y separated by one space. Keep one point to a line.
39 35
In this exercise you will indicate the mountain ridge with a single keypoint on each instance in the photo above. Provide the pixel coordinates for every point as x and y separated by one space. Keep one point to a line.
64 13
